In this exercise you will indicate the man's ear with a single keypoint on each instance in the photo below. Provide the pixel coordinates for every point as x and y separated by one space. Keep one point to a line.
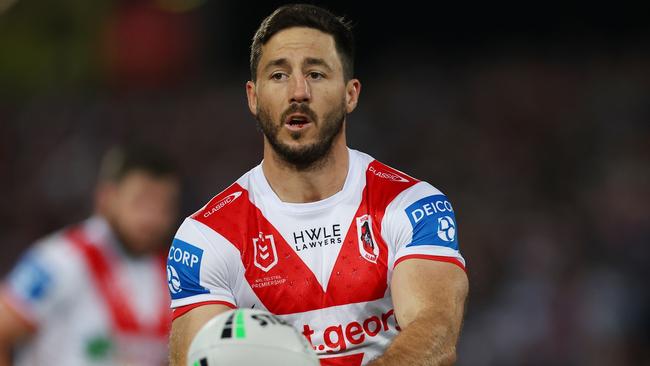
105 193
352 91
251 95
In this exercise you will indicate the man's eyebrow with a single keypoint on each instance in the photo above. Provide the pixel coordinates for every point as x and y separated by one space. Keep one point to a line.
309 61
312 61
282 62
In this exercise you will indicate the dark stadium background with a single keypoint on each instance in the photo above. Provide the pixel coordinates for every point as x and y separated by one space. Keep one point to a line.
533 119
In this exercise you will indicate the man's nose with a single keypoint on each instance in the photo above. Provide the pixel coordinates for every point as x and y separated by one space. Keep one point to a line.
301 91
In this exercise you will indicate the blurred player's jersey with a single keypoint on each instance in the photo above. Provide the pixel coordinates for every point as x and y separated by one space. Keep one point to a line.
89 302
324 266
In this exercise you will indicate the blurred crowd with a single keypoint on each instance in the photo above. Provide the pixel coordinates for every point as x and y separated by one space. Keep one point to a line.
544 151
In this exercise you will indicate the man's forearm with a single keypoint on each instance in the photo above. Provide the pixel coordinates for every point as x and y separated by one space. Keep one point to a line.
421 344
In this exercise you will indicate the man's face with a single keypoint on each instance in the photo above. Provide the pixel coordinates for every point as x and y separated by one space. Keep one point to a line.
300 98
142 209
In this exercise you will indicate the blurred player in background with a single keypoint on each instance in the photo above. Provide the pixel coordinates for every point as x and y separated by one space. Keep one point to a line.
95 293
343 247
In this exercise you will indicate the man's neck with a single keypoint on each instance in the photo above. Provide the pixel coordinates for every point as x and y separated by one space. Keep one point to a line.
320 181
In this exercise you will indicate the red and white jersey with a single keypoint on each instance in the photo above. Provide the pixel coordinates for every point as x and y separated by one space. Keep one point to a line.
324 266
88 302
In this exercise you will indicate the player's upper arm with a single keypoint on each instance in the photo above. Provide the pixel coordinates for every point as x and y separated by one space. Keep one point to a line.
428 277
185 327
431 290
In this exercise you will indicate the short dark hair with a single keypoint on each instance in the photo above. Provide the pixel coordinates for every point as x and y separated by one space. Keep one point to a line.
120 160
310 16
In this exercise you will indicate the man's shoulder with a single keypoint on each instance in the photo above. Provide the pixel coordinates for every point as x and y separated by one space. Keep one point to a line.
49 269
394 186
383 183
378 172
223 199
219 202
55 248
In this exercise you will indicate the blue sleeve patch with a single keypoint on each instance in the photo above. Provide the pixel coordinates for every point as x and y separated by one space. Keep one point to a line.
30 279
433 222
184 270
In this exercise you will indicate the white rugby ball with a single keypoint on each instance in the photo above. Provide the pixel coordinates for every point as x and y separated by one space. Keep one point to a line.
249 337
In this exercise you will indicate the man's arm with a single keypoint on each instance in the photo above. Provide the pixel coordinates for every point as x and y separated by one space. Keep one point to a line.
429 300
12 330
185 327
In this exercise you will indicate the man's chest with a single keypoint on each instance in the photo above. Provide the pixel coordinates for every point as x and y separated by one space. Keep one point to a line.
316 240
296 264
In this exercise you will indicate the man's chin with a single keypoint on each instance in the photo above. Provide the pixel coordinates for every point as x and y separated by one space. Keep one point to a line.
141 246
297 147
302 156
297 138
297 142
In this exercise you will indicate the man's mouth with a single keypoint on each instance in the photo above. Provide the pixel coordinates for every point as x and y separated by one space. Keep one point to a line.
295 122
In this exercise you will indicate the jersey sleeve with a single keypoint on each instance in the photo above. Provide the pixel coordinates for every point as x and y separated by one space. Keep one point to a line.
200 268
421 223
42 281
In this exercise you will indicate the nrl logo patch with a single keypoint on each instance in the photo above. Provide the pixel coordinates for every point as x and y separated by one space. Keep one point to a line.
266 256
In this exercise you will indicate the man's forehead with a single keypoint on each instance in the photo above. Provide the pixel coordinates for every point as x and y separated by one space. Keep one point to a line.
299 42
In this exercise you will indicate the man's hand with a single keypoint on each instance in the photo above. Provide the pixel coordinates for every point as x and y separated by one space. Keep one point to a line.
185 328
429 300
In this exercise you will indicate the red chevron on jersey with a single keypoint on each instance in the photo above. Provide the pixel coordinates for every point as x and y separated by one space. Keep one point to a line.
265 253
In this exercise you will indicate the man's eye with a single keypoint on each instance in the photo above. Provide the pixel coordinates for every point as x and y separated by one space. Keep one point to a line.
315 75
278 76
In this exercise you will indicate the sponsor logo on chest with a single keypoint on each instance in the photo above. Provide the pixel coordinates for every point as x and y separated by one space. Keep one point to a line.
317 237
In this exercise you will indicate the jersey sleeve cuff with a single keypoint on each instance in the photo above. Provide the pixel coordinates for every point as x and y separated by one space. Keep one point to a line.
179 311
438 258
